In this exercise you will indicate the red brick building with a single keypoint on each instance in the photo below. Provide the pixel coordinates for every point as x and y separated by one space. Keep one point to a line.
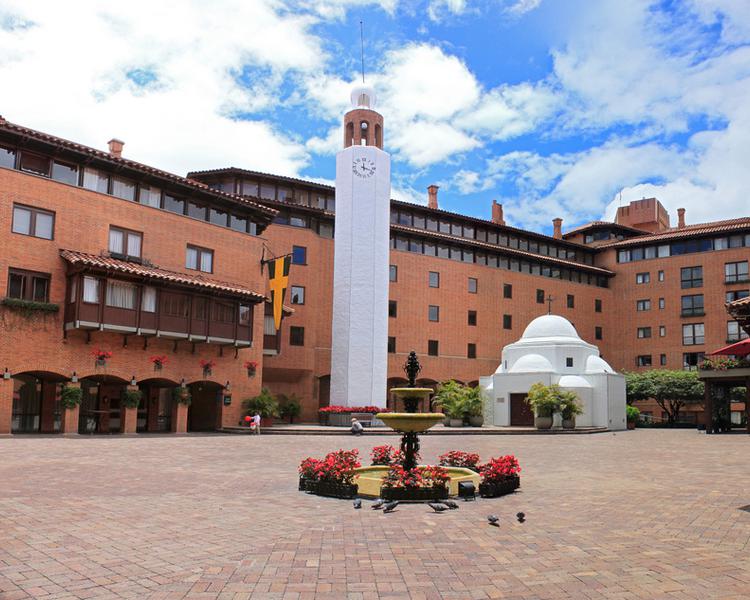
103 253
649 295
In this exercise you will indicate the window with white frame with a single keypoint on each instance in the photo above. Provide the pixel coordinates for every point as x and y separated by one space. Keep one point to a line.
90 289
121 294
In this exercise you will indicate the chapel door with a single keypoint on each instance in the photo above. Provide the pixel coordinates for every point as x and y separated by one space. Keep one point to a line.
521 414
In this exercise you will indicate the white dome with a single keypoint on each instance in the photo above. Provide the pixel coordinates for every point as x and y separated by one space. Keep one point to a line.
363 96
596 364
573 381
550 326
532 363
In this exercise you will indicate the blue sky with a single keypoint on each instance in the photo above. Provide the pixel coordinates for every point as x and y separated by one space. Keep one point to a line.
552 107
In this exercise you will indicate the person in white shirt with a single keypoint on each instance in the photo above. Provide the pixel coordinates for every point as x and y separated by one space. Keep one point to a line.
357 428
256 422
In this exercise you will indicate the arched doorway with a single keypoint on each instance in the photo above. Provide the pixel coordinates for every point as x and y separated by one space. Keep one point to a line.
155 410
100 404
204 413
36 402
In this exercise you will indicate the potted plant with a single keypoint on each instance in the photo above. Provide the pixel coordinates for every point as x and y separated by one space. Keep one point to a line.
499 476
182 395
543 402
569 407
388 455
252 368
70 397
290 407
633 415
307 471
474 405
451 398
101 357
159 362
132 398
263 404
334 475
207 366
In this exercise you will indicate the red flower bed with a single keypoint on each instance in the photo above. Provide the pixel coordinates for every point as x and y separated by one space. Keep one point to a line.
456 458
336 467
388 455
499 469
420 477
337 410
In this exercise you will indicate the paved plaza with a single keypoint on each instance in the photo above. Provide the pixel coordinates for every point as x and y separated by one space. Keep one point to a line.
643 514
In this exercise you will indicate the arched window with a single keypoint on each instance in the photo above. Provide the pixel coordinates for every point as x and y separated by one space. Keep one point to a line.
349 141
378 135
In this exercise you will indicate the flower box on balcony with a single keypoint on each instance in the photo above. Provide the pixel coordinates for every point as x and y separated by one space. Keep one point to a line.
493 489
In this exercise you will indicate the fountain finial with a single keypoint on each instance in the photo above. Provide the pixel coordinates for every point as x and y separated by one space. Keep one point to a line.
412 368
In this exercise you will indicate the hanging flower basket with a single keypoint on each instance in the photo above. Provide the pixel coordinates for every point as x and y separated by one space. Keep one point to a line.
101 357
493 489
436 492
252 368
158 362
207 366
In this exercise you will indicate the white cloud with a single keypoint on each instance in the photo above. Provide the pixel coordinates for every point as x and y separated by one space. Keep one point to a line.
428 142
337 9
171 83
437 10
521 7
329 145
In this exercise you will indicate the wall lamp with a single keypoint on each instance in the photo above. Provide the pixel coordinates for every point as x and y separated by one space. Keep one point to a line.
133 381
182 383
226 387
6 373
74 378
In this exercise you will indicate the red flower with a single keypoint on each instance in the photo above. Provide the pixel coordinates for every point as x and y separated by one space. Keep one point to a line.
498 469
456 458
99 354
207 364
350 409
159 360
251 364
419 477
336 467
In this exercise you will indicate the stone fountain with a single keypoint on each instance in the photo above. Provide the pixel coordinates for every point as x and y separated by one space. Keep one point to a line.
410 423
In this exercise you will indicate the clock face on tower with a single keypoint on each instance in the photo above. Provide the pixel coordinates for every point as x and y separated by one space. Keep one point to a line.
363 167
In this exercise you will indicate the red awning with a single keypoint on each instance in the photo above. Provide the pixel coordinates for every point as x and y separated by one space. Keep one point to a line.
741 348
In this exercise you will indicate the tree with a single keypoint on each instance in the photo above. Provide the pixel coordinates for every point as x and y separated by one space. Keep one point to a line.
670 389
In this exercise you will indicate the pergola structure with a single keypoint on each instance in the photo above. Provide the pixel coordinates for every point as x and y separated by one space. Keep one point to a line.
718 383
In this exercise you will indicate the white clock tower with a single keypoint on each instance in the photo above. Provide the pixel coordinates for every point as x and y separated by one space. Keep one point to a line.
359 358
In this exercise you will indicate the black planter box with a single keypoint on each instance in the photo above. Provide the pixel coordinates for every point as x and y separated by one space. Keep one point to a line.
419 494
331 489
500 488
302 484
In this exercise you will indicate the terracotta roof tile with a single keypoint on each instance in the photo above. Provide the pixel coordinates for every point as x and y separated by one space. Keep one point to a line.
155 273
268 212
688 231
512 251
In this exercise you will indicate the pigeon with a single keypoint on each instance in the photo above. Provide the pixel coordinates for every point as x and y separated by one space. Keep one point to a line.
493 520
390 506
378 504
357 503
437 506
521 517
452 504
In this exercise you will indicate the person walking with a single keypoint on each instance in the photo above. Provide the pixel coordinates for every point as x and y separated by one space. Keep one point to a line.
256 422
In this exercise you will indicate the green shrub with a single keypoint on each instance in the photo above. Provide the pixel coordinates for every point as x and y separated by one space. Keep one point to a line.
132 398
182 396
633 414
70 397
453 399
264 404
290 406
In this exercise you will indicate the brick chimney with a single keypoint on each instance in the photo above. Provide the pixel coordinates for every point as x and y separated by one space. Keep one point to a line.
497 213
680 218
115 147
432 196
557 228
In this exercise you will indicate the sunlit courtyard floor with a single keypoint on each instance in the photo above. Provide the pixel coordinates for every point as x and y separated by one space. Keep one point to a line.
643 514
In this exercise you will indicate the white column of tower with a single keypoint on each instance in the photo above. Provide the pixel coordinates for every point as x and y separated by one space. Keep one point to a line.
359 358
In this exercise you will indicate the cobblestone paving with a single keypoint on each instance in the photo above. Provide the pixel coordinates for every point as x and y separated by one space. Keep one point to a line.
643 514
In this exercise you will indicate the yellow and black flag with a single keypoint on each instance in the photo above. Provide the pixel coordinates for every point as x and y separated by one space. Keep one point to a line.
278 279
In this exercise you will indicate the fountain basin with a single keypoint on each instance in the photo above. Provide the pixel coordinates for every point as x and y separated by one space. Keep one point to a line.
369 479
410 422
